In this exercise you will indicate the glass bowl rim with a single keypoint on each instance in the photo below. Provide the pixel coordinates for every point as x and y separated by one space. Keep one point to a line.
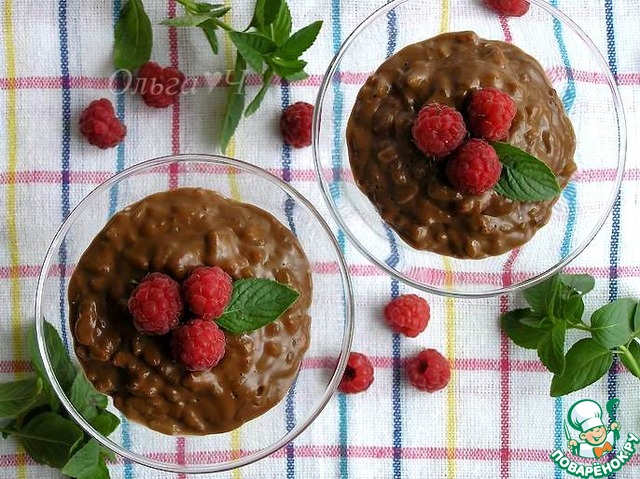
347 336
325 188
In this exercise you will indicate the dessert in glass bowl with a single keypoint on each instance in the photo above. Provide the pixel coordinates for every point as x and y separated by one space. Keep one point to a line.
411 190
174 233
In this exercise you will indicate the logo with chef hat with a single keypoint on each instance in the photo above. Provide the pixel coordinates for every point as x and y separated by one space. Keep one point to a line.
596 439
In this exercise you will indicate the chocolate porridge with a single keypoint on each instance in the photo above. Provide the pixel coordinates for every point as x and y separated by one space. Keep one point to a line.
173 232
410 190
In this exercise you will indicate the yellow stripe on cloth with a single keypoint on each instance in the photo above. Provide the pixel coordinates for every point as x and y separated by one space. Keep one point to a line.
236 444
12 230
450 324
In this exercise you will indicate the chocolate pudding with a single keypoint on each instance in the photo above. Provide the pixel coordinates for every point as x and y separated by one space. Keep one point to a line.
173 232
410 190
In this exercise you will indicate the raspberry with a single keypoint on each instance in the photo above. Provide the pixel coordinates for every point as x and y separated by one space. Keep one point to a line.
438 130
159 86
513 8
199 345
474 167
155 304
428 371
408 314
207 291
295 124
358 375
490 113
100 126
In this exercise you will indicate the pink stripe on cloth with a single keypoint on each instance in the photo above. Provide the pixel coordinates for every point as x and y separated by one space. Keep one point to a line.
219 80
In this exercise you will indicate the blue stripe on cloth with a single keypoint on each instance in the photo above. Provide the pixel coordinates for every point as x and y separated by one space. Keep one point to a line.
568 99
614 252
392 261
66 155
289 204
334 188
125 430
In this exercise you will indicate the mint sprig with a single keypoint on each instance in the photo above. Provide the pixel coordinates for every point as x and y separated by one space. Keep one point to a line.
43 427
557 306
524 177
255 303
265 46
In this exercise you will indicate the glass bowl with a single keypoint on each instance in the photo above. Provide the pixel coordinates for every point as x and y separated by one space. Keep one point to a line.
583 81
330 337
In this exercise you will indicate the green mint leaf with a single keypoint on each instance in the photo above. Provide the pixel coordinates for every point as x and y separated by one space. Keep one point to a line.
287 68
636 322
105 422
133 37
253 47
50 439
573 309
186 21
551 348
521 334
631 358
87 400
18 396
294 77
586 362
265 13
202 7
63 368
611 324
235 103
524 177
209 28
582 283
542 296
281 28
255 303
299 42
87 463
257 101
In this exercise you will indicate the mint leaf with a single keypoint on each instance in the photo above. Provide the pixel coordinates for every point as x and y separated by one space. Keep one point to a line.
105 422
631 358
16 397
299 42
542 296
87 463
87 400
209 29
524 177
611 324
281 27
49 439
186 21
257 101
573 309
636 322
265 13
582 283
253 47
586 362
63 368
551 348
523 335
301 75
287 68
255 303
133 37
235 103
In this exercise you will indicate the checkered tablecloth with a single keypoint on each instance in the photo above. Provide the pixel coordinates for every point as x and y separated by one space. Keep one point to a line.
494 420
